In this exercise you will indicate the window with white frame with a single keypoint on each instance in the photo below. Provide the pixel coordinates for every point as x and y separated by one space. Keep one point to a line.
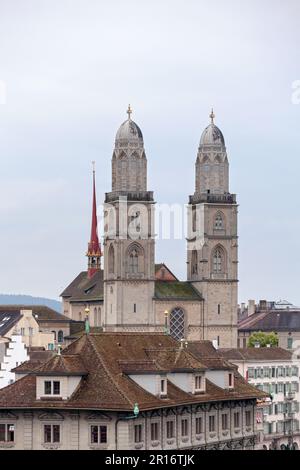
163 386
184 427
138 433
154 431
51 387
198 383
51 433
230 380
98 434
250 372
7 432
199 425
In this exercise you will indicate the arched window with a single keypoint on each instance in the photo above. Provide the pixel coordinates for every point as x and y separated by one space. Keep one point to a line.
218 260
60 336
134 261
177 323
99 317
219 221
194 262
111 260
54 333
95 317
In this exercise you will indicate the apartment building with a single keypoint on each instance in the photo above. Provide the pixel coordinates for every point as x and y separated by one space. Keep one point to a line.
276 372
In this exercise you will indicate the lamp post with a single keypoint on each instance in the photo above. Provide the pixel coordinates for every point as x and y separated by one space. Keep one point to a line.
166 328
87 322
136 412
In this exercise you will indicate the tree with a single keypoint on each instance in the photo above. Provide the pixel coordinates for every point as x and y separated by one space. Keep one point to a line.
263 339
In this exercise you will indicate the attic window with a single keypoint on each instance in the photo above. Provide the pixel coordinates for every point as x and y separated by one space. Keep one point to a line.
230 380
163 387
87 291
198 383
52 387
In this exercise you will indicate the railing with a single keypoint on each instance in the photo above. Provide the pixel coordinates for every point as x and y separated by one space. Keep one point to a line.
208 197
129 196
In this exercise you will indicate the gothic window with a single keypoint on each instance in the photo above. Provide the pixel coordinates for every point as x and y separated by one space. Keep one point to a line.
111 260
60 336
218 260
133 261
194 219
219 222
194 262
177 323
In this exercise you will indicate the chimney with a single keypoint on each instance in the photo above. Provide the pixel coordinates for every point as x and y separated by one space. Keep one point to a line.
262 305
215 343
251 307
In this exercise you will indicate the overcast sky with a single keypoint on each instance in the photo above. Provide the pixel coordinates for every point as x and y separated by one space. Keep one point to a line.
70 68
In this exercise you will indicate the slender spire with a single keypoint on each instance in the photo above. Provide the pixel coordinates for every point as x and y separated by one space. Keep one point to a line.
94 248
212 116
129 112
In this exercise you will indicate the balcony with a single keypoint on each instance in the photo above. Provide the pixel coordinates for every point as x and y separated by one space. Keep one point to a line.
129 196
213 198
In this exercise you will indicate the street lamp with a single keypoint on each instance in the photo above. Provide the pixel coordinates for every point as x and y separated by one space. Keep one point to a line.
87 323
166 328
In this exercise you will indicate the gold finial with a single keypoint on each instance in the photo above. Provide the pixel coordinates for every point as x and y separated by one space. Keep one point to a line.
129 111
212 116
94 164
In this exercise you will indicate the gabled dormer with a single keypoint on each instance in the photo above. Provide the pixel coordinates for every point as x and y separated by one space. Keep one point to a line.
59 377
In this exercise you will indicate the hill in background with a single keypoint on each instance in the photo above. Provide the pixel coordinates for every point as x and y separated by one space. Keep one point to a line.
19 299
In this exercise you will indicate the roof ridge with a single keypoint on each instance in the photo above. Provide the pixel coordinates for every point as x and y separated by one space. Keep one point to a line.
107 370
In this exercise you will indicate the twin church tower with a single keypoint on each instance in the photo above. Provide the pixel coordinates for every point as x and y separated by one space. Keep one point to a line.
132 293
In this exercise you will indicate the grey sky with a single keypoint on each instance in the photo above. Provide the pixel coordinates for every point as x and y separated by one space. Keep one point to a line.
72 67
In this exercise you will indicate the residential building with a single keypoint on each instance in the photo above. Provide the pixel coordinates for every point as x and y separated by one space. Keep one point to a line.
280 317
130 391
276 372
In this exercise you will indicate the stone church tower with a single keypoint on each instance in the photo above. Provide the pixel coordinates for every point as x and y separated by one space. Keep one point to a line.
212 248
129 236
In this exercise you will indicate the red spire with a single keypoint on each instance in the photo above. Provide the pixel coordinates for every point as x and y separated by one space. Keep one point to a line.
94 249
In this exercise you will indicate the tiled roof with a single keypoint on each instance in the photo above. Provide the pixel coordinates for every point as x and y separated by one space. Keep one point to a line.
210 357
272 321
37 358
257 354
85 289
43 312
8 319
176 290
67 364
107 387
163 273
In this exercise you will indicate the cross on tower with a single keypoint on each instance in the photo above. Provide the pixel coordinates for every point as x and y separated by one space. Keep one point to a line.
129 111
212 116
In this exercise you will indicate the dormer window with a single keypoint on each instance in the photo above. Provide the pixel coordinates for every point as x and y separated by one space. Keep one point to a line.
163 387
198 383
52 387
230 380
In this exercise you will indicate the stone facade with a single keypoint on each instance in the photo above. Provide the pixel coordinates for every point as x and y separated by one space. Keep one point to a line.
75 428
128 296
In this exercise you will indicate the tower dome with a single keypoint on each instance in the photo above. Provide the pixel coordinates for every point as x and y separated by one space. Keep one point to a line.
129 164
129 133
212 134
